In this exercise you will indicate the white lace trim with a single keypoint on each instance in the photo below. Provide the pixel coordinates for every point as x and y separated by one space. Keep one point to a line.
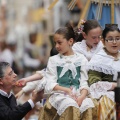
41 85
105 69
81 47
60 102
87 103
102 62
101 88
94 49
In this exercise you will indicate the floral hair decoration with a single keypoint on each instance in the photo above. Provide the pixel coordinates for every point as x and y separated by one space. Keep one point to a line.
80 29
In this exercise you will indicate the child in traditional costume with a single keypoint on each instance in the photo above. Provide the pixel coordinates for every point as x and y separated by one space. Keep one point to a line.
89 41
66 77
103 70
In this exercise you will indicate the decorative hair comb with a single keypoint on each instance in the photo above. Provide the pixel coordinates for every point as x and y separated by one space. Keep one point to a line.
80 29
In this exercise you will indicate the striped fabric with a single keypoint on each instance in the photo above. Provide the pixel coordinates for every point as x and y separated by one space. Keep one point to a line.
106 109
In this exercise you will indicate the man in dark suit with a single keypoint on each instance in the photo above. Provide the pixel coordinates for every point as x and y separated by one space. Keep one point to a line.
8 106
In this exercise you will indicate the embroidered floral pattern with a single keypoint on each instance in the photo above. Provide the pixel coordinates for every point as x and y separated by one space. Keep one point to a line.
101 88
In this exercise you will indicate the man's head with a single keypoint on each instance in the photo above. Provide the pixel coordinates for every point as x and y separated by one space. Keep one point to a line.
7 77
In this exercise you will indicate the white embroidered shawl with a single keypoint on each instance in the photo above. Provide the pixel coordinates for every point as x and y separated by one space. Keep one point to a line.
81 47
107 64
102 62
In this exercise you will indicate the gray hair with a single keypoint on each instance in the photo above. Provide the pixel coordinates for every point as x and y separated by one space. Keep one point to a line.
3 66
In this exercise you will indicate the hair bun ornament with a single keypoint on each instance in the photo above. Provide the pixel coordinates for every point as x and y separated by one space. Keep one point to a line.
82 22
80 29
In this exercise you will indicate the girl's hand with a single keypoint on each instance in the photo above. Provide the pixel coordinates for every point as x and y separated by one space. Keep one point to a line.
71 94
22 82
79 100
68 91
114 85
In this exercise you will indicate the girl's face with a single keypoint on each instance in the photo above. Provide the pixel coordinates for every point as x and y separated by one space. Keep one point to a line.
62 45
112 42
93 37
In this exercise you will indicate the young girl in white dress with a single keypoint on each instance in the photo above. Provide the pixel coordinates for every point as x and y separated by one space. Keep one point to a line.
66 77
89 41
103 71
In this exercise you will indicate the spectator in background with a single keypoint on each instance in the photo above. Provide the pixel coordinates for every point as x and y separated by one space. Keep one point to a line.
31 59
6 54
8 50
11 43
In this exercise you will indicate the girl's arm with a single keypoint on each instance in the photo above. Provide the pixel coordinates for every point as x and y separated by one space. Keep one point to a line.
34 77
29 87
114 85
23 81
66 90
82 96
51 75
84 88
84 76
37 76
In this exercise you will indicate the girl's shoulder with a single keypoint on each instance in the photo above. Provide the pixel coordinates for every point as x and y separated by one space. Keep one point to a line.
81 56
78 44
55 58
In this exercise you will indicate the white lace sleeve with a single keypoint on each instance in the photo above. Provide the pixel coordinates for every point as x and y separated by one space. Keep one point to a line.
100 88
84 76
30 86
41 72
41 85
50 76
